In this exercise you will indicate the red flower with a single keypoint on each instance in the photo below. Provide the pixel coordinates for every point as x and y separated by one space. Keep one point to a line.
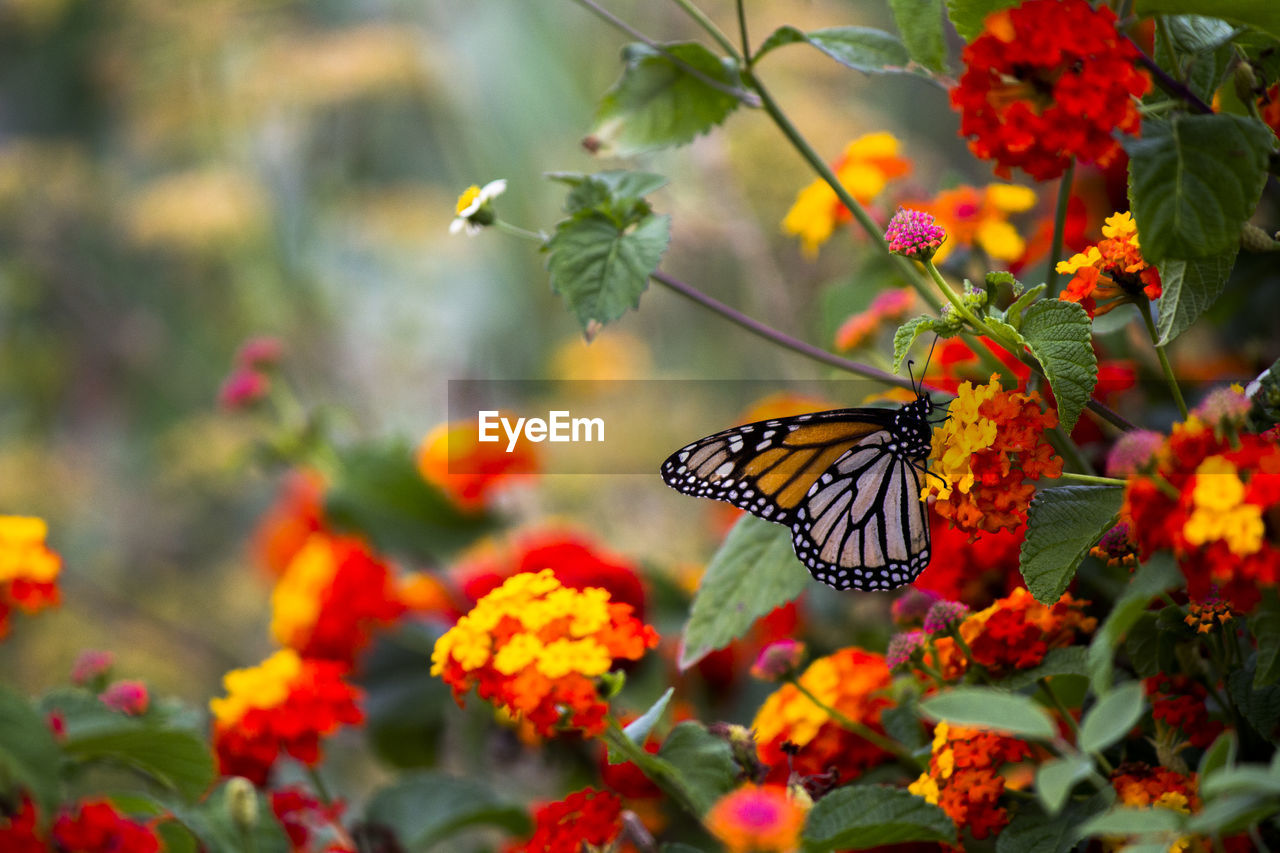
28 568
586 817
303 816
96 827
282 707
127 696
18 829
1179 701
298 512
975 568
964 777
1047 82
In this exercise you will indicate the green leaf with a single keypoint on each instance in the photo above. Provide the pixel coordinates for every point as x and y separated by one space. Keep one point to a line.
28 754
1264 624
638 729
754 572
1142 645
1192 34
604 190
920 22
704 761
1263 14
1055 779
1112 717
863 49
907 333
1015 310
379 494
861 816
1064 660
1259 705
211 822
902 723
405 707
991 709
1194 180
1230 815
1190 287
1127 820
1198 51
600 269
1063 523
176 759
969 15
1220 755
1245 779
1158 575
428 807
1032 831
658 103
1059 335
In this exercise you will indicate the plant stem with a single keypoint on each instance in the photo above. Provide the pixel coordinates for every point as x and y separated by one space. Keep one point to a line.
1144 307
742 33
1058 706
1061 442
771 334
862 730
1089 478
712 30
1167 82
317 782
523 233
616 22
659 772
1060 226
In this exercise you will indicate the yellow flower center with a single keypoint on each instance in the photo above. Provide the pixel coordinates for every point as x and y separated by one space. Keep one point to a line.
1220 513
468 197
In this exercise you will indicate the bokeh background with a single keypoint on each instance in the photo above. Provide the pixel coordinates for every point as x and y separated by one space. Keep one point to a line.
176 177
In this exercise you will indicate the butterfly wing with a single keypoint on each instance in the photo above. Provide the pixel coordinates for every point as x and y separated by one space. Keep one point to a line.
768 467
862 524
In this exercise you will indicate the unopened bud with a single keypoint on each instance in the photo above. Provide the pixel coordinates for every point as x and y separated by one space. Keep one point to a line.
242 803
778 661
1254 239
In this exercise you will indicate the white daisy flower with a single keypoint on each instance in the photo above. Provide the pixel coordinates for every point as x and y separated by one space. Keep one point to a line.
473 211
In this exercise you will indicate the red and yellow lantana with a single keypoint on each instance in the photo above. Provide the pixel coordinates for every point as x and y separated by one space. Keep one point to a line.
28 568
964 776
1113 272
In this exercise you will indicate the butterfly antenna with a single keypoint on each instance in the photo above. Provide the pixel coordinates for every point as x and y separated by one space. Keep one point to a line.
928 358
911 376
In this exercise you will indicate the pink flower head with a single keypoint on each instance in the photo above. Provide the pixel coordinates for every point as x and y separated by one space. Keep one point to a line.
260 352
126 696
913 234
910 608
1133 452
778 660
244 387
1224 406
943 616
90 665
903 647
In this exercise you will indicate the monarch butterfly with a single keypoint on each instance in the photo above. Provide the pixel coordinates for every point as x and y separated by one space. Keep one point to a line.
846 481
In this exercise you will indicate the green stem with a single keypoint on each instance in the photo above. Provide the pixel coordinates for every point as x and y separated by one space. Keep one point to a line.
317 782
523 233
619 24
1066 448
1062 709
661 773
860 729
1090 478
1060 225
742 33
1144 308
712 30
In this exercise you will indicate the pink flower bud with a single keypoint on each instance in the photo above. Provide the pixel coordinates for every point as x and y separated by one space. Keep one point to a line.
944 616
903 647
1133 452
127 697
910 608
90 665
778 660
911 233
243 388
260 352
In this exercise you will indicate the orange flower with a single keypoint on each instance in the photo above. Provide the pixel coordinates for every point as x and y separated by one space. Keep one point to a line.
298 511
980 217
965 777
864 169
988 455
28 568
470 471
888 307
1141 786
534 647
283 706
1015 632
853 682
331 597
757 818
1111 273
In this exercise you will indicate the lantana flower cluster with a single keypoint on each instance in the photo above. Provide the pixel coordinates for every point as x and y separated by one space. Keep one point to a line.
1046 82
1204 496
979 217
584 820
332 596
283 706
1113 272
853 682
471 472
92 826
28 568
965 776
988 455
534 647
757 819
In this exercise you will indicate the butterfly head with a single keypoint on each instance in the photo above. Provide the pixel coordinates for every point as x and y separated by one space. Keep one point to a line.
913 427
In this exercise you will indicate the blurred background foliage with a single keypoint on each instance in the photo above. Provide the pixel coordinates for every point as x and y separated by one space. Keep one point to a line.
179 175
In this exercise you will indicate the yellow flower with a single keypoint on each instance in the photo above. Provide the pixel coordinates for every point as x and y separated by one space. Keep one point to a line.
964 432
520 651
295 602
926 786
585 657
866 166
1079 261
262 686
1120 226
1220 511
22 550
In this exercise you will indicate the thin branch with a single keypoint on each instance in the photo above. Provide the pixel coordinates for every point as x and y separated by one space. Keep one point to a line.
1167 82
742 32
613 20
1060 225
707 24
